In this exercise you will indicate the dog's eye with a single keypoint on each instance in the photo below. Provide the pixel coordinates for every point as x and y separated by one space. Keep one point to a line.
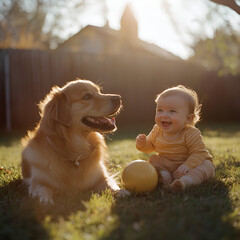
87 96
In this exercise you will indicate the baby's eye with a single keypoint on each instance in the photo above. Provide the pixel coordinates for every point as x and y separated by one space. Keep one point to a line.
160 110
172 111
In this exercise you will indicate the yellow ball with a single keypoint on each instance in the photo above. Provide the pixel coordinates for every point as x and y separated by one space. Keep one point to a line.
139 176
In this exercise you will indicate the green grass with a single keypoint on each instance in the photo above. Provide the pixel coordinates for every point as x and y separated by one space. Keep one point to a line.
208 211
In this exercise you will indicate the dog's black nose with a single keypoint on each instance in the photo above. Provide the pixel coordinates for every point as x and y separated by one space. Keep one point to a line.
116 100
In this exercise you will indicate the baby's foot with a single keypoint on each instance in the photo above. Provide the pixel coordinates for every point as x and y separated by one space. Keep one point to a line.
177 185
166 178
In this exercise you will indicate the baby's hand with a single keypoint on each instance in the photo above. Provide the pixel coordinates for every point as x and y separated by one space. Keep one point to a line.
141 140
182 169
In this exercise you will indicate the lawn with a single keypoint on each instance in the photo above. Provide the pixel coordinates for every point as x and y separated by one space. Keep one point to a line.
208 211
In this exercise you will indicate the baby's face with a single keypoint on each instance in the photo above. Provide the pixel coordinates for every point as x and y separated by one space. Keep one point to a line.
172 114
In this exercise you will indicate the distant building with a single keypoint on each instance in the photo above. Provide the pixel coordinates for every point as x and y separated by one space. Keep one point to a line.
104 40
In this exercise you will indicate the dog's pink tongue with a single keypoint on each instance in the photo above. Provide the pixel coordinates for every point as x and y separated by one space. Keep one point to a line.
102 119
106 120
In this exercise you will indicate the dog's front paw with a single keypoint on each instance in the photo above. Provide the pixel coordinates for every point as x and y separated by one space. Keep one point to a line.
43 194
46 200
123 193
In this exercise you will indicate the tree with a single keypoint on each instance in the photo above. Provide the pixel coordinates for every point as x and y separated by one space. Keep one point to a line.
220 53
215 38
229 3
20 28
39 23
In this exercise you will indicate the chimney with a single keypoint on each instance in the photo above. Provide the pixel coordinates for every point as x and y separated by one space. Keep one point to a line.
129 25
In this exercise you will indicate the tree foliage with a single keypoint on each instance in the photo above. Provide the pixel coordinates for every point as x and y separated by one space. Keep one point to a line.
21 25
215 38
37 23
229 3
220 53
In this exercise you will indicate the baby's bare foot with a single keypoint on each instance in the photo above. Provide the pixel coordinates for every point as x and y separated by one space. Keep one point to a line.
177 185
166 178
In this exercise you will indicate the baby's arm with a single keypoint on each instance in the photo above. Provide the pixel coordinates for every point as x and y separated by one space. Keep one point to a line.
143 145
182 169
197 153
196 149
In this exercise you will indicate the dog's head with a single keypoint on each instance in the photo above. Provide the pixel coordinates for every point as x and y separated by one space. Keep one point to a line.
81 105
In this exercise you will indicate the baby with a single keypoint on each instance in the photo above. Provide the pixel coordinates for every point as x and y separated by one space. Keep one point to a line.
182 158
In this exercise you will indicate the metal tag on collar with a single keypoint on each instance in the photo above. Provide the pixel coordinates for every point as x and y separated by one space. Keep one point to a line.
77 163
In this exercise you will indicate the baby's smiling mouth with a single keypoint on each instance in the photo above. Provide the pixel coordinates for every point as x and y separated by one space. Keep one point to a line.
166 124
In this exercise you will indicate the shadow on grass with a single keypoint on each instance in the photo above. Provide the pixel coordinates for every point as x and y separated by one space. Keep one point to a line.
17 218
22 217
201 212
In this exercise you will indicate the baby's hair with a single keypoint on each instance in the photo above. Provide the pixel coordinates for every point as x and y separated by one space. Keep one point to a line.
189 95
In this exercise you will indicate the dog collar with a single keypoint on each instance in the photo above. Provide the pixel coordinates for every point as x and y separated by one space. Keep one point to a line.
76 163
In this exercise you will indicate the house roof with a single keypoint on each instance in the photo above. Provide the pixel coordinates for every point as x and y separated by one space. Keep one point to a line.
105 31
108 32
156 50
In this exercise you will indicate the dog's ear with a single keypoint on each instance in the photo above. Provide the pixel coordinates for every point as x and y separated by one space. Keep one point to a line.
63 110
55 108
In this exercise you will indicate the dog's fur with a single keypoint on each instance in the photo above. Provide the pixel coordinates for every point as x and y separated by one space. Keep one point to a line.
66 152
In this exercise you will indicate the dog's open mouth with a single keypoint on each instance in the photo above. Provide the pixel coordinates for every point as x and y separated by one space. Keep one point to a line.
101 123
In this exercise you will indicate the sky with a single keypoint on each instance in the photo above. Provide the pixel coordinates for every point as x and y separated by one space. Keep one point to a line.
156 26
153 22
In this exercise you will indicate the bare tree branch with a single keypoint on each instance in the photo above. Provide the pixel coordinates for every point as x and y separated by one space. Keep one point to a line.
229 3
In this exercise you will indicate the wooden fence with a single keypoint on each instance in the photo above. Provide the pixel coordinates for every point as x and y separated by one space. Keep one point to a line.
26 76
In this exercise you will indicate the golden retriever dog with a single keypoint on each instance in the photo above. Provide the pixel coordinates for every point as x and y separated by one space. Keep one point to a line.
66 151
